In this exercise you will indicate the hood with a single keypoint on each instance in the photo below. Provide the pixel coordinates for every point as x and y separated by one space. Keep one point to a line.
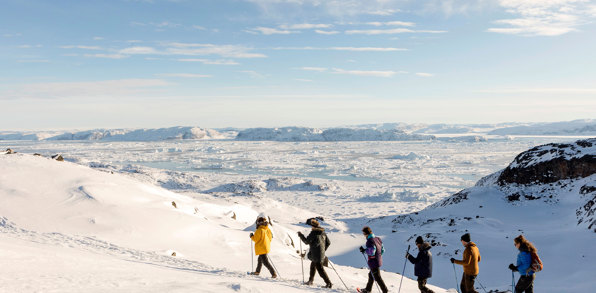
318 230
425 246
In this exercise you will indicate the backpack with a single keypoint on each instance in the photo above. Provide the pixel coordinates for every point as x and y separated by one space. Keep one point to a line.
536 265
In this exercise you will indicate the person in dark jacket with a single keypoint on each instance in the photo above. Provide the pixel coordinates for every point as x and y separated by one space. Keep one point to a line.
524 263
318 242
423 264
374 250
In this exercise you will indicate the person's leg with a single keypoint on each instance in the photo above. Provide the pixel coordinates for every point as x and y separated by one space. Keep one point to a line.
322 273
379 279
268 265
524 284
530 288
370 282
311 275
422 286
462 285
259 264
469 280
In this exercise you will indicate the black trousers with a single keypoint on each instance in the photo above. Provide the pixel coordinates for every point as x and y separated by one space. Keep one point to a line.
525 284
319 268
375 275
264 260
422 286
467 283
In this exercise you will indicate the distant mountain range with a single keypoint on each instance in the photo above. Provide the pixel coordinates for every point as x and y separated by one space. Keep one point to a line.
364 132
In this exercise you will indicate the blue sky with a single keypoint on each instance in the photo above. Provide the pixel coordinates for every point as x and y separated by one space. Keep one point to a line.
250 63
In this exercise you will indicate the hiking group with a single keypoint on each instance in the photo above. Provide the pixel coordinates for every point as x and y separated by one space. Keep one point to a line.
528 262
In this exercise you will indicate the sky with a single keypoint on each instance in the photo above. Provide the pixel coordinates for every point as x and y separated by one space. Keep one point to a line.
269 63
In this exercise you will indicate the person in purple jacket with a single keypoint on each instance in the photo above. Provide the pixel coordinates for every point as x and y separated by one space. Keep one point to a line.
374 250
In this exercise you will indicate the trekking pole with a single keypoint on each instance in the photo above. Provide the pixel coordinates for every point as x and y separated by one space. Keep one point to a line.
302 260
512 282
481 285
252 258
274 266
371 273
455 275
402 273
333 267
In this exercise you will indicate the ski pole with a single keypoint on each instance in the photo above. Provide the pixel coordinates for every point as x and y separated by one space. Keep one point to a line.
302 260
371 273
274 266
402 273
252 258
333 267
455 275
481 285
512 282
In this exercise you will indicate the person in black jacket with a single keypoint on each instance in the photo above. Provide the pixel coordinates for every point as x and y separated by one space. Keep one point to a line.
318 242
423 264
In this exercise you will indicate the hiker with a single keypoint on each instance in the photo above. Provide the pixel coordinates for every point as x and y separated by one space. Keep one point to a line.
374 250
423 264
318 242
262 238
470 263
524 265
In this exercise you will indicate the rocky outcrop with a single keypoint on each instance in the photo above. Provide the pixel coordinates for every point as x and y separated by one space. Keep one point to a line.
551 163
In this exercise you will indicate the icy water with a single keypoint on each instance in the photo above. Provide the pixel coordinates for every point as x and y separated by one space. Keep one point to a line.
445 166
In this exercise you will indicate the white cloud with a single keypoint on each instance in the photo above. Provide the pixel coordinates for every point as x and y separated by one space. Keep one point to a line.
105 88
209 61
302 26
424 74
375 73
228 51
542 90
385 12
319 69
391 31
543 17
98 38
303 80
81 47
272 31
184 75
322 32
29 46
391 23
253 73
12 35
139 51
33 61
354 49
107 56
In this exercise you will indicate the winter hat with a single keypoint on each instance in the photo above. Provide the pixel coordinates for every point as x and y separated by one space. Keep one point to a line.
313 222
466 237
419 240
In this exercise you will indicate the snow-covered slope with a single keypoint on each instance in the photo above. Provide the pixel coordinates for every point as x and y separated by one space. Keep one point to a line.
69 228
331 134
547 193
178 132
575 127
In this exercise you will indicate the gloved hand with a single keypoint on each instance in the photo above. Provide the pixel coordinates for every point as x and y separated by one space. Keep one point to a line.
362 249
512 267
452 260
407 254
300 234
252 234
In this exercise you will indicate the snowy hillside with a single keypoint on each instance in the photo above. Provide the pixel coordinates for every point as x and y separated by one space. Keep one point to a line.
331 134
547 193
576 127
68 228
171 133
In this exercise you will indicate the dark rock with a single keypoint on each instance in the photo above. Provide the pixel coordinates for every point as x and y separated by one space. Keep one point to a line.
532 167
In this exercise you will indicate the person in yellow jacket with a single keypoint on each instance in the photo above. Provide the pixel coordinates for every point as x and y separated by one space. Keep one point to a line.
262 238
470 264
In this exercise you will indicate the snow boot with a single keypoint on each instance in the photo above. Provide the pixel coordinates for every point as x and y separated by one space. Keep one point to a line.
254 273
308 283
274 276
328 285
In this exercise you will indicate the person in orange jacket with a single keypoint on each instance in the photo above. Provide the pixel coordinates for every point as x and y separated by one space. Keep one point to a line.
262 238
470 264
